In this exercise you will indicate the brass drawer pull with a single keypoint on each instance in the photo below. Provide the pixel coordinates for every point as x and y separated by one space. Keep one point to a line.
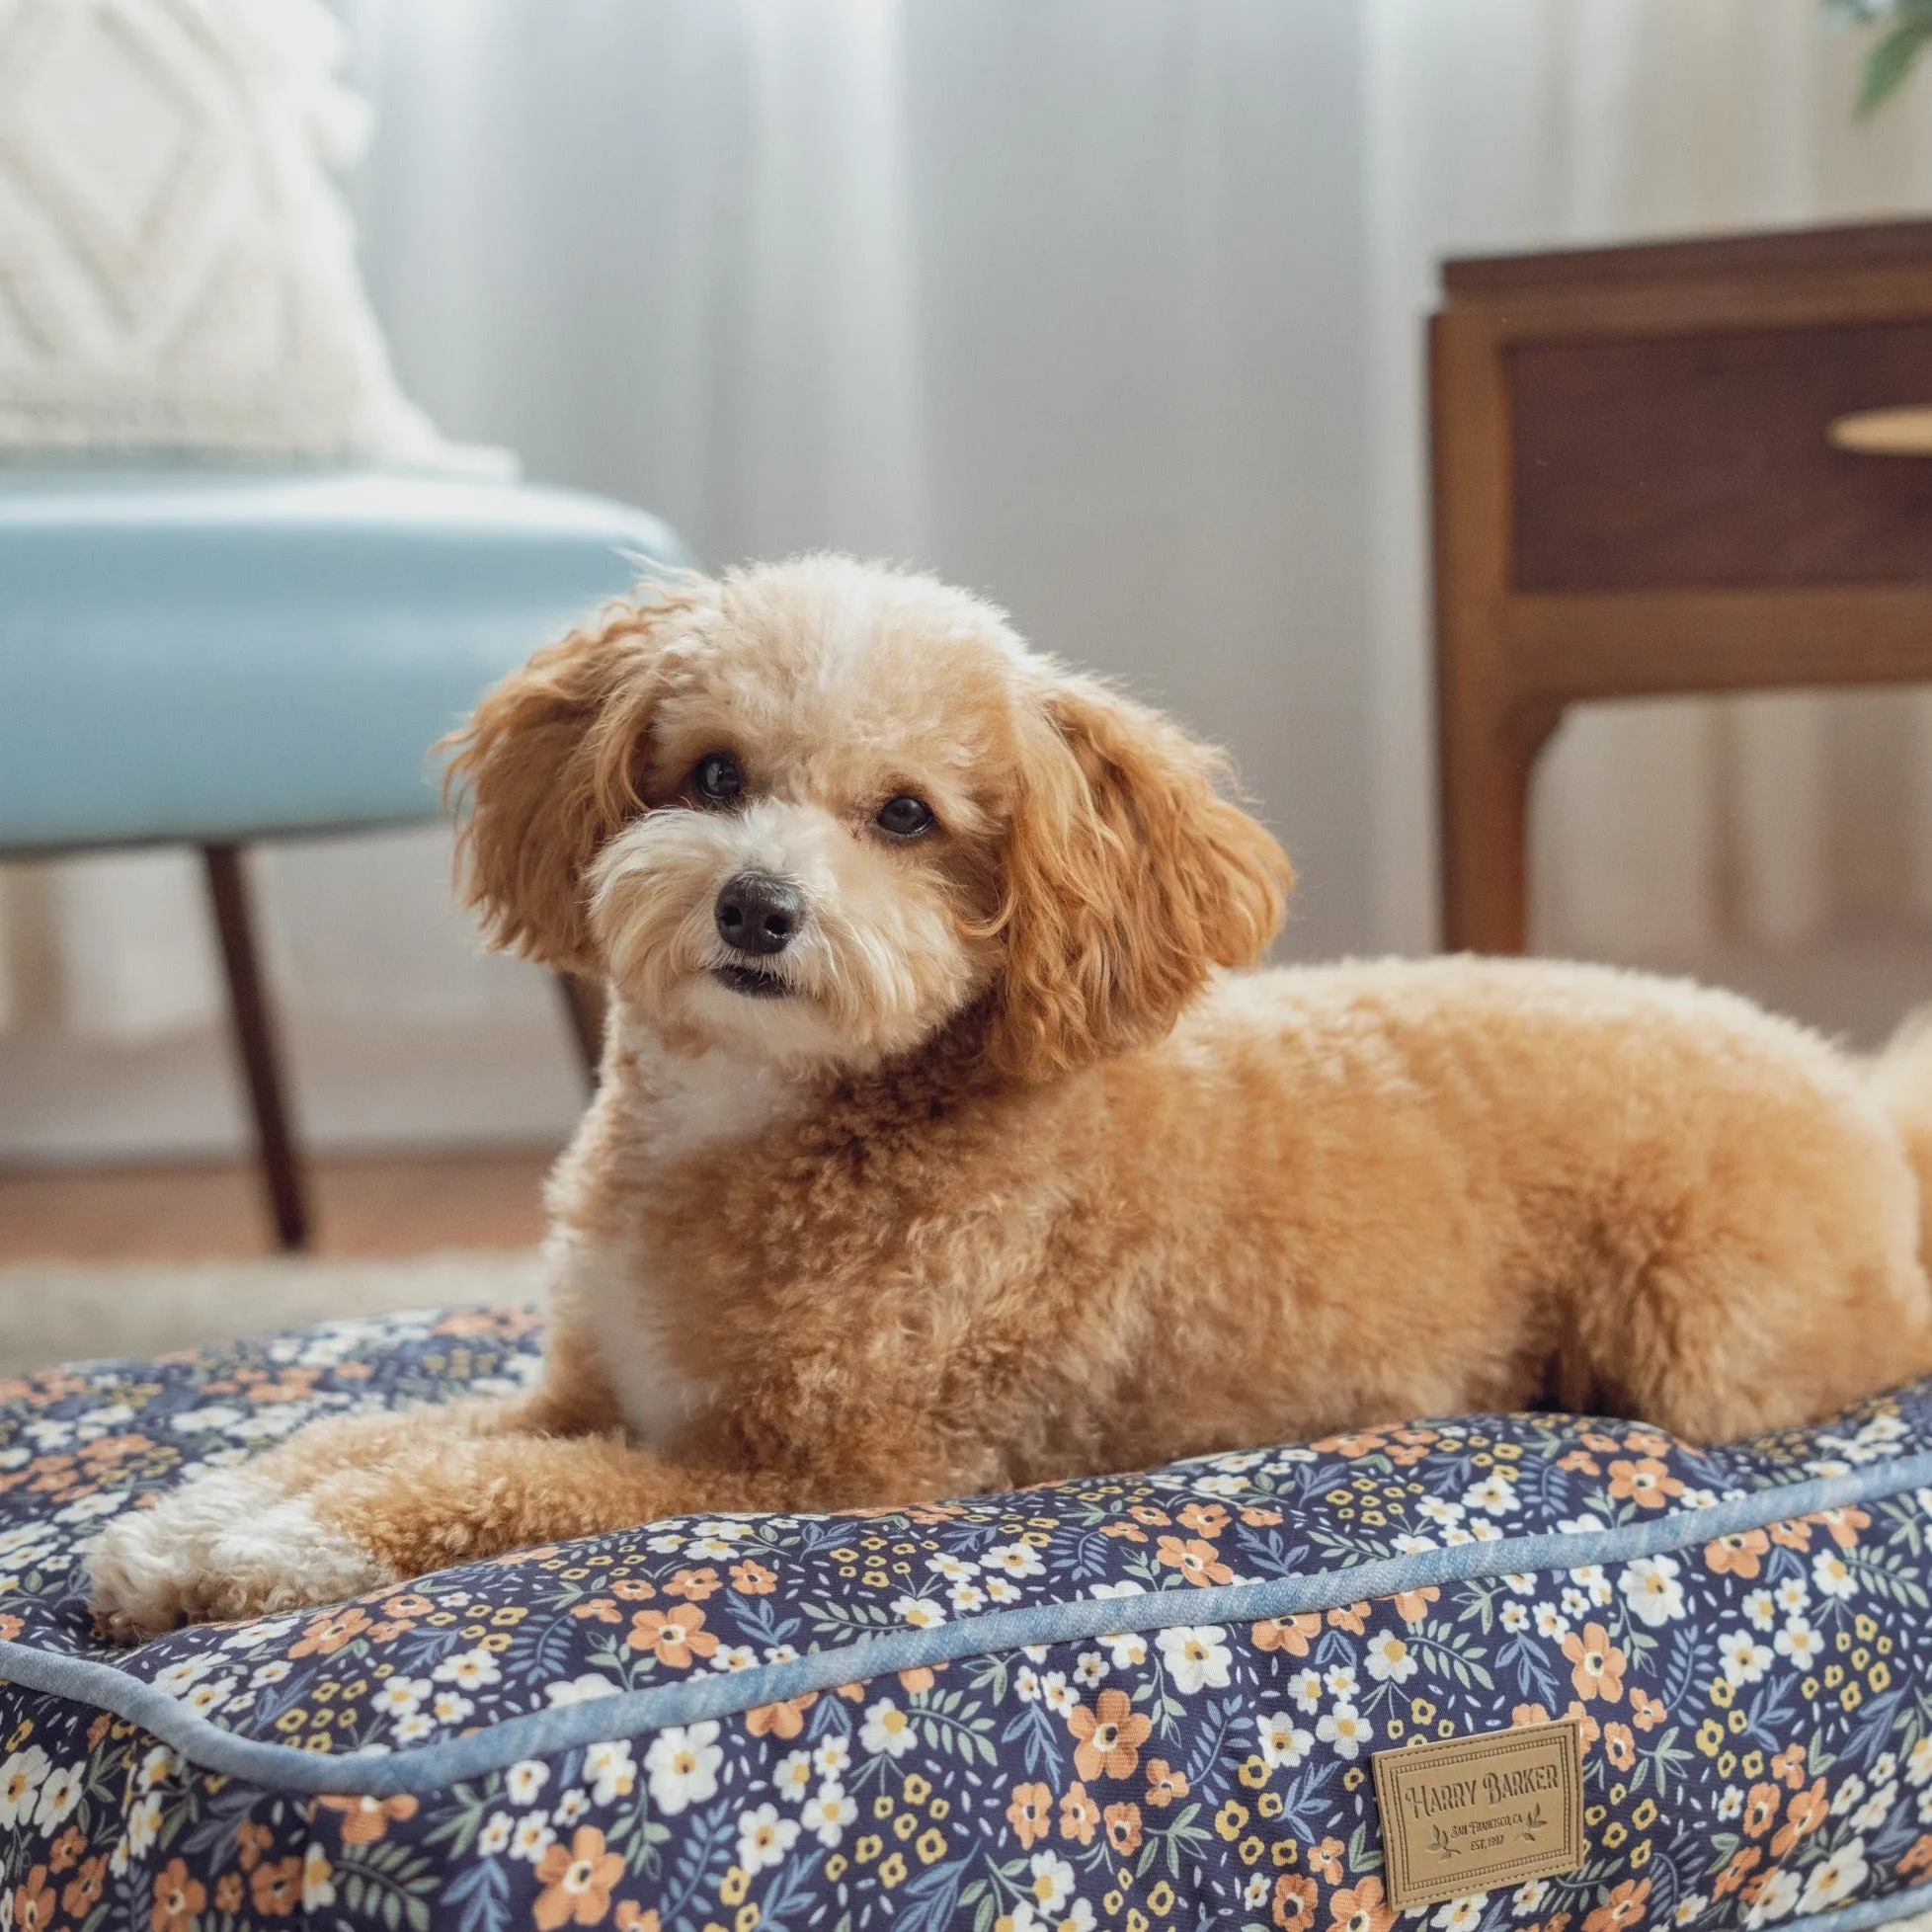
1904 431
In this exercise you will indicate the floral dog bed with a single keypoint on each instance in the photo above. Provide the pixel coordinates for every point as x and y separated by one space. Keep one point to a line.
1144 1701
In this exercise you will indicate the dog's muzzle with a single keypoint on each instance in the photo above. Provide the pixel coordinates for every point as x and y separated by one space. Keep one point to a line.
757 913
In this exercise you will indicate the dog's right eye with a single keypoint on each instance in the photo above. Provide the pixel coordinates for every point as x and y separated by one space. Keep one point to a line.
716 778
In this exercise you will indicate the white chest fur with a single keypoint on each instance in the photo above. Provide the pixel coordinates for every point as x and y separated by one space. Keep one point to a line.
681 1104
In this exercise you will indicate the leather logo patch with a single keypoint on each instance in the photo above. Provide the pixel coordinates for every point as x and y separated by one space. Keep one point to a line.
1473 1813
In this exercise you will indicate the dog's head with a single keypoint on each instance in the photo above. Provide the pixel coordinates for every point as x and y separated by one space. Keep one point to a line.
821 812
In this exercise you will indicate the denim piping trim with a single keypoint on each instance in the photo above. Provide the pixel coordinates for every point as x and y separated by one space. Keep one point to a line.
627 1713
1866 1912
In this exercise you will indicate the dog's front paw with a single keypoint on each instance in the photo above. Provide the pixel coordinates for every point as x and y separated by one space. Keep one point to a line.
228 1545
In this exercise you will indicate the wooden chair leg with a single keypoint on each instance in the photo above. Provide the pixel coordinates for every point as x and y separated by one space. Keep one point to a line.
586 1005
255 1041
1485 777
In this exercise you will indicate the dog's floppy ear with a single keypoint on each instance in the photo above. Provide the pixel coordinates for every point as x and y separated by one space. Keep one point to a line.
547 767
1127 880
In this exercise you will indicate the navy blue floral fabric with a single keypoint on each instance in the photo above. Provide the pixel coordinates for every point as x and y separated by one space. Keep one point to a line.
1144 1701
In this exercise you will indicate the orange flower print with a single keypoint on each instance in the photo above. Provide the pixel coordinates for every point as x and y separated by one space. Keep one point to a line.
1743 1860
696 1585
364 1820
1326 1859
1580 1463
1294 1903
1737 1554
10 1628
1588 1730
1646 1442
633 1589
1844 1524
277 1888
1145 1512
1620 1747
1411 1607
1361 1908
83 1891
326 1635
1807 1813
67 1849
1649 1483
752 1578
1788 1767
1205 1519
1528 1714
598 1609
634 1917
675 1637
1197 1560
34 1902
411 1604
1623 1908
251 1840
1596 1663
1123 1826
1351 1617
1918 1859
1164 1784
785 1720
1110 1735
576 1882
1761 1809
1255 1518
1792 1536
176 1898
1291 1634
1646 1711
1029 1813
228 1891
1079 1817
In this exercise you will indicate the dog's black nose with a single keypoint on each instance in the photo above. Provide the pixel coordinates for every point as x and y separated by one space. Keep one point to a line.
759 913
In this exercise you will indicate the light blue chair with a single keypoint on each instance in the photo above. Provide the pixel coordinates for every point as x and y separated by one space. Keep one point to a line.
216 656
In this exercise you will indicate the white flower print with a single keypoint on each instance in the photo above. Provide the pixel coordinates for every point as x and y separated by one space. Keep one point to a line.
1731 1806
21 1778
887 1728
577 1690
401 1696
1872 1814
177 1679
828 1814
1390 1661
764 1838
1052 1882
793 1776
1516 1618
1836 1878
1494 1495
1529 1898
1128 1648
1461 1915
1346 1729
832 1756
1283 1741
1014 1560
572 1806
533 1837
143 1823
613 1771
1650 1588
1918 1766
159 1764
1744 1659
468 1671
494 1835
1196 1656
1060 1697
1689 1908
955 1569
1340 1680
1847 1795
1026 1685
522 1781
1793 1594
734 1657
1801 1644
1780 1895
1409 1544
1089 1668
966 1598
1833 1578
922 1612
1761 1608
413 1728
683 1765
1443 1514
1305 1688
1551 1622
58 1796
1003 1590
451 1708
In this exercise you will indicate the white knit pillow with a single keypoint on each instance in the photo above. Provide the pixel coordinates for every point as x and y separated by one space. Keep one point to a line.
177 270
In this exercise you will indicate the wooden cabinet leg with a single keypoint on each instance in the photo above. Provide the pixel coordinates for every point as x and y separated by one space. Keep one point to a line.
255 1042
1486 775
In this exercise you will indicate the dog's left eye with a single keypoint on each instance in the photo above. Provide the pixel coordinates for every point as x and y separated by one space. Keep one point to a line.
905 817
717 778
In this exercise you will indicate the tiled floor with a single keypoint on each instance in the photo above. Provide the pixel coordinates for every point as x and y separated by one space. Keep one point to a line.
371 1205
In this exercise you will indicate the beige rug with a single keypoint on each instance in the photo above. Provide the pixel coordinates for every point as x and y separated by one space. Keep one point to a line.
52 1312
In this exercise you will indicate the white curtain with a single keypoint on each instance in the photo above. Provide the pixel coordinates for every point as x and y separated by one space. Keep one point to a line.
1110 308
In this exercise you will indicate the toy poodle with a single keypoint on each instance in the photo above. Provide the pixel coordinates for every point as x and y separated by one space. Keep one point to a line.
942 1148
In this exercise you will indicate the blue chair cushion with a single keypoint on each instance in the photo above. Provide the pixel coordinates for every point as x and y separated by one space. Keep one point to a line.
1145 1701
223 653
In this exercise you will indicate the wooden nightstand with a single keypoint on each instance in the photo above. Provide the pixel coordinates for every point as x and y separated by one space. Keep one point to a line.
1694 466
